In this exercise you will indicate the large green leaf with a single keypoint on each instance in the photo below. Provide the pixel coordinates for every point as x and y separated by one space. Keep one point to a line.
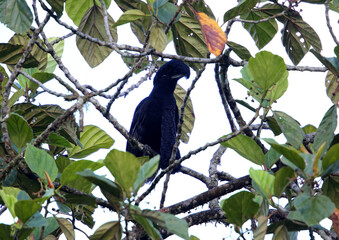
263 32
19 131
129 16
92 139
59 49
169 222
332 87
104 183
244 6
247 148
290 128
51 226
145 223
39 117
297 38
67 228
263 181
76 9
165 11
124 166
311 209
331 189
57 6
282 179
146 171
267 69
158 38
189 118
331 156
108 231
93 24
325 132
70 177
11 53
288 151
36 52
239 207
39 161
188 39
25 209
5 231
240 50
16 15
9 197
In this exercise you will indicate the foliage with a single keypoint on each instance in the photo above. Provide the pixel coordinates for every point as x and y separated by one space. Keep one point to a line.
46 181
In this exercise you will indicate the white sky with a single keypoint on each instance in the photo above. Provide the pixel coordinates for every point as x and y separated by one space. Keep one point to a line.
305 100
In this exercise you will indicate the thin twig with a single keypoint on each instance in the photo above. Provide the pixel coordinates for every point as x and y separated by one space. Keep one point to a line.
328 22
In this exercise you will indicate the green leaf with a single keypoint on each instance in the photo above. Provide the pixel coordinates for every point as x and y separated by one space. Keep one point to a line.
289 152
5 231
281 233
93 24
57 6
331 189
129 16
146 171
267 69
76 9
165 12
244 6
309 128
189 118
37 53
42 77
158 38
67 228
92 139
16 15
9 197
247 148
240 50
282 178
332 87
124 166
239 207
331 156
51 226
39 161
59 49
311 209
102 182
11 53
271 157
263 181
25 209
188 39
263 32
147 226
169 222
331 63
58 141
71 179
325 132
297 38
290 128
19 131
108 231
260 232
39 117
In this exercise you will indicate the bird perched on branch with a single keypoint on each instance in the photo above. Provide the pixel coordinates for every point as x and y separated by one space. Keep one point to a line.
156 117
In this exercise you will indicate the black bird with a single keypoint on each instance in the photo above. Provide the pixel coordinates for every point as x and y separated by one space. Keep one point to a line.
156 117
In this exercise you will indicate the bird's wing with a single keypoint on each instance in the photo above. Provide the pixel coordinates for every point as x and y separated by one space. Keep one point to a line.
168 133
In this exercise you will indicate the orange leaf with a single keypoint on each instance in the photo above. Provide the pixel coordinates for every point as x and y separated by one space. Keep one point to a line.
50 183
335 220
214 36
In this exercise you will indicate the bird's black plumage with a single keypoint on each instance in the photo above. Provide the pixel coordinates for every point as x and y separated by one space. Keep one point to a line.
156 117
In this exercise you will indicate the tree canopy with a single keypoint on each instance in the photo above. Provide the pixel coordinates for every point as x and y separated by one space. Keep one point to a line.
52 178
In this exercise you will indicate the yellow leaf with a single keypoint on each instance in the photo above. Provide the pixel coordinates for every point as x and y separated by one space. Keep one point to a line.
214 36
